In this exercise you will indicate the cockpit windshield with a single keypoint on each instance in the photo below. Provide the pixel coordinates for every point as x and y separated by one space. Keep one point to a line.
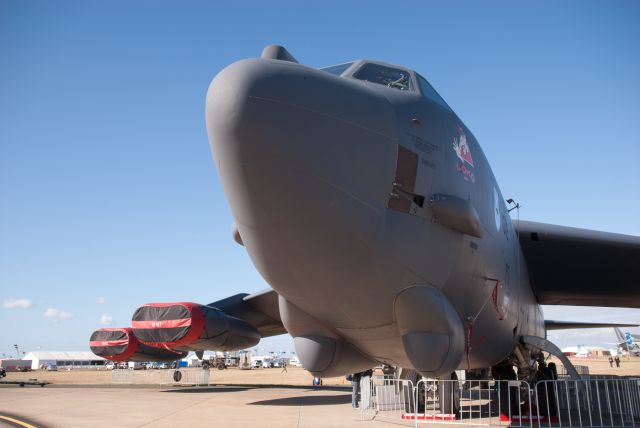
383 75
337 69
429 92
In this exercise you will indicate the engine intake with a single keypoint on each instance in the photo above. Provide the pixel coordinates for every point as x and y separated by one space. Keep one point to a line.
192 327
119 344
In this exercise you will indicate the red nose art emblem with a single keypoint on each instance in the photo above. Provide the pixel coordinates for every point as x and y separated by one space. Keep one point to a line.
461 147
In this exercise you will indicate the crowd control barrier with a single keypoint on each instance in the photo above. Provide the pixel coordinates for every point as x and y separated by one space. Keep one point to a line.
180 376
559 403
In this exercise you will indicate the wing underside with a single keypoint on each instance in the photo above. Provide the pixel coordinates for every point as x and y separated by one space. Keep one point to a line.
568 325
570 266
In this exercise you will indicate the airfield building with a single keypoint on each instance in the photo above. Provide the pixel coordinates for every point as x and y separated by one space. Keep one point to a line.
63 359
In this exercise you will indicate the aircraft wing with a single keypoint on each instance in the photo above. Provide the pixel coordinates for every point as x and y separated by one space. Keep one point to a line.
570 266
258 309
567 325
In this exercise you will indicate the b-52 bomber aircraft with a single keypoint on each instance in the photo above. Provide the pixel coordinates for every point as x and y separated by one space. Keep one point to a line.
370 209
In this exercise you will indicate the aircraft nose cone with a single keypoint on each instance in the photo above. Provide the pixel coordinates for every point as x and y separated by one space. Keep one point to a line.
250 133
233 111
289 142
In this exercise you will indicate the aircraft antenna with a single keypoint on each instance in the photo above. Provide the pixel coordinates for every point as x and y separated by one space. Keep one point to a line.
515 206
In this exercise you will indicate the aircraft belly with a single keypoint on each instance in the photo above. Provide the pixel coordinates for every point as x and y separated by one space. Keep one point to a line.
383 344
336 271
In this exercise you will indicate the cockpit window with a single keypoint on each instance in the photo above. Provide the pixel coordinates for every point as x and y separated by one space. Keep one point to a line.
388 76
428 91
337 69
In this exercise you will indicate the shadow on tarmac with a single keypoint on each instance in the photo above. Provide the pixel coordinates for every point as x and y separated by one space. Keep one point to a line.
245 387
208 389
318 400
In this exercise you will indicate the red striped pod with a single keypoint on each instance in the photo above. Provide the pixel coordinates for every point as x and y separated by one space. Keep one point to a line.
120 344
191 327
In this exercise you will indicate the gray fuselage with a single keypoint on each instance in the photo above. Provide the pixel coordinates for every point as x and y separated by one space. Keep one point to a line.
373 213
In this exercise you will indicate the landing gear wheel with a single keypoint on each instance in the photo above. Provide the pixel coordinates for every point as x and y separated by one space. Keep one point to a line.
449 395
507 395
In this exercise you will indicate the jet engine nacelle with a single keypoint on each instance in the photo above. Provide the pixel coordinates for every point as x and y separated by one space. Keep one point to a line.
119 344
326 356
320 350
431 329
192 327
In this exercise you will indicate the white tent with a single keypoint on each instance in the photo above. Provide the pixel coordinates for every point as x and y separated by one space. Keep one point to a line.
585 351
76 359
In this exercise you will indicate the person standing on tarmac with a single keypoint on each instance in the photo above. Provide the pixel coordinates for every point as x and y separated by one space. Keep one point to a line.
355 389
544 390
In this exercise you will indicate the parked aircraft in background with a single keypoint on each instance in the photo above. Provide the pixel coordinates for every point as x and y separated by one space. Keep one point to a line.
627 341
370 209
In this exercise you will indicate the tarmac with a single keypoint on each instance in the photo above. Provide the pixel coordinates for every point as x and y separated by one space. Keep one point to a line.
225 406
251 398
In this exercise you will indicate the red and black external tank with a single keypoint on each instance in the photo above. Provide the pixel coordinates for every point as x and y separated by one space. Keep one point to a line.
192 327
120 344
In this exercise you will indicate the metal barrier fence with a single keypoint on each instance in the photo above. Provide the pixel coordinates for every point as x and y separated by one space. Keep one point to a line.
180 376
121 376
589 403
582 371
386 397
559 403
188 376
476 402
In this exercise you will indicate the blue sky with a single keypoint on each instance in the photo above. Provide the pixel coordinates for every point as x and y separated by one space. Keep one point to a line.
109 196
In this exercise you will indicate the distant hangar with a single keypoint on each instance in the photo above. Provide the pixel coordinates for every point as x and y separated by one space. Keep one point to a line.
64 359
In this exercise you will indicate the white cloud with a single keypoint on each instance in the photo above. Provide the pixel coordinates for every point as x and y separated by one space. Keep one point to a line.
12 303
57 314
102 300
106 319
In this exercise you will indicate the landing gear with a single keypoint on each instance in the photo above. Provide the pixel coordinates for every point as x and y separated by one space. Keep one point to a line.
545 392
449 395
508 403
534 392
549 347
